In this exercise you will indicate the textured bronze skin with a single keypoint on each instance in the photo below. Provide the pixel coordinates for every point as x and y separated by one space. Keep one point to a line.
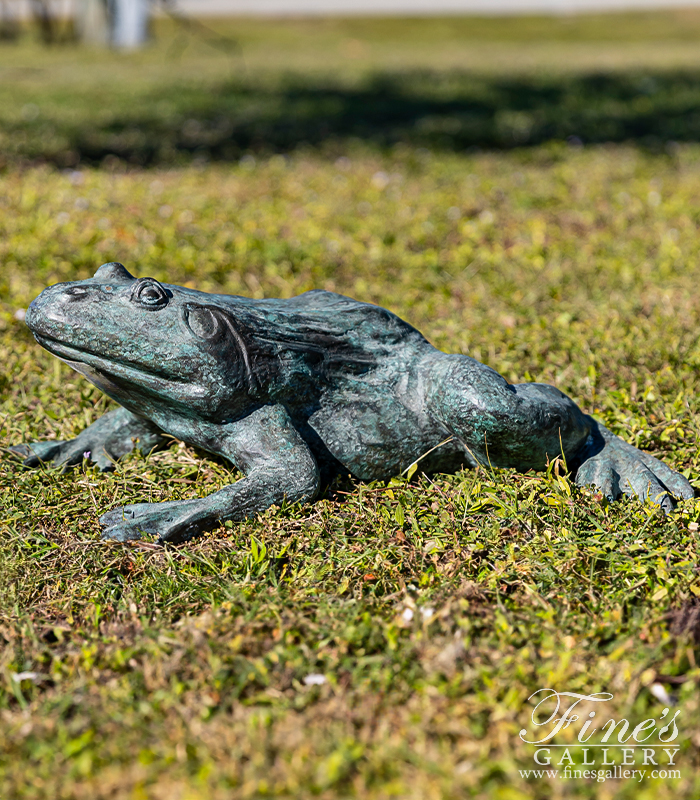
295 391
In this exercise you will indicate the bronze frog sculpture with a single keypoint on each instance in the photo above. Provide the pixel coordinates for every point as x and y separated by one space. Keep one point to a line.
295 391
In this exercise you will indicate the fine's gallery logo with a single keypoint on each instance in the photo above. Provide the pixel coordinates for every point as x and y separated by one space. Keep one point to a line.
597 745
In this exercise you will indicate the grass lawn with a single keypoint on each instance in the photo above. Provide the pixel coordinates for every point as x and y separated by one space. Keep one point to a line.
384 641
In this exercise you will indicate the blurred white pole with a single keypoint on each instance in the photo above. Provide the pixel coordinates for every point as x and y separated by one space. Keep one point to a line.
130 23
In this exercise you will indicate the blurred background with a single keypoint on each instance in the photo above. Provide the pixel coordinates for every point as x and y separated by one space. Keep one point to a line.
167 81
125 22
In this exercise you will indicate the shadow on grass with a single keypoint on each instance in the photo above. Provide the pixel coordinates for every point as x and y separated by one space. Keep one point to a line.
437 110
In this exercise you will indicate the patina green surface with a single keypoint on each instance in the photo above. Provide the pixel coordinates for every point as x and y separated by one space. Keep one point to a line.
294 392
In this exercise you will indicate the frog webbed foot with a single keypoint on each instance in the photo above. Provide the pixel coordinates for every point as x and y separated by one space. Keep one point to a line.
163 521
64 454
615 467
34 454
103 443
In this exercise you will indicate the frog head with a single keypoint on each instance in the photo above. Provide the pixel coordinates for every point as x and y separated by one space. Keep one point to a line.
150 346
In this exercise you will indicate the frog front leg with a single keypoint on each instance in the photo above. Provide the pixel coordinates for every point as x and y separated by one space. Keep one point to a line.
265 446
111 437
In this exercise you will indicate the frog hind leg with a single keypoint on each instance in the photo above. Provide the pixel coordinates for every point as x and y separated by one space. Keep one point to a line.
522 426
526 426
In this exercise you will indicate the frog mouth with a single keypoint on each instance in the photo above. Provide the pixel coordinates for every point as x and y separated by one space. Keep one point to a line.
111 372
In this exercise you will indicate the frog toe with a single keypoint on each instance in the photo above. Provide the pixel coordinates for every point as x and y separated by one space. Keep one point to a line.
36 453
114 517
104 461
121 533
72 453
677 484
123 525
137 521
639 481
120 515
599 473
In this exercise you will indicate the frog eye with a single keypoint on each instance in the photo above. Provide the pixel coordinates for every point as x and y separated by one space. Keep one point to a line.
148 293
202 321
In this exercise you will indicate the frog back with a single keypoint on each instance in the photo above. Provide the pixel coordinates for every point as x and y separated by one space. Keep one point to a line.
316 339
